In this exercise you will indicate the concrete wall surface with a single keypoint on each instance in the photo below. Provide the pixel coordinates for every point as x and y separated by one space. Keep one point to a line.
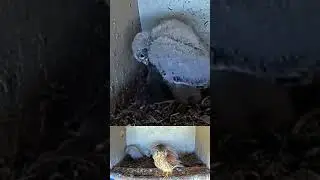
117 144
203 144
124 25
182 138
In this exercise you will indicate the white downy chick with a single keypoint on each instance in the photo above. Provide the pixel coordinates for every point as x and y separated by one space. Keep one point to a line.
176 51
136 152
180 32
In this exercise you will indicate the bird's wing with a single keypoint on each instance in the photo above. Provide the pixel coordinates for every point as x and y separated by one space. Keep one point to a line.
172 151
178 31
173 161
179 63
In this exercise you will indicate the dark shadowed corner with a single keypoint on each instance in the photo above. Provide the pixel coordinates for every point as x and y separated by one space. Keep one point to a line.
54 72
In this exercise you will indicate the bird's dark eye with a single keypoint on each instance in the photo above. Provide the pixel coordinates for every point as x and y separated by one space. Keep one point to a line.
143 53
145 50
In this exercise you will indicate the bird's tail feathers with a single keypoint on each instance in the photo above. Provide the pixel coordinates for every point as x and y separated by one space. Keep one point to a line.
178 166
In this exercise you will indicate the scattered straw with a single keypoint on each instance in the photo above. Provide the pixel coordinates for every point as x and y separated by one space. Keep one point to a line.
167 112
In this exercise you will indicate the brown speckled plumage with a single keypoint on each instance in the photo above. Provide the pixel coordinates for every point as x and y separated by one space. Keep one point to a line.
165 158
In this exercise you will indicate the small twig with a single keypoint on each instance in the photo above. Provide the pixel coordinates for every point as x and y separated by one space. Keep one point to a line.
154 119
205 118
164 102
175 114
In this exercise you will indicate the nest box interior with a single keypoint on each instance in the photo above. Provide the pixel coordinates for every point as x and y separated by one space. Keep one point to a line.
128 89
191 142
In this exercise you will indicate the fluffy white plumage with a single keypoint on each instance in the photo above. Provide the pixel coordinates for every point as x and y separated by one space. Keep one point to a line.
136 152
178 31
176 51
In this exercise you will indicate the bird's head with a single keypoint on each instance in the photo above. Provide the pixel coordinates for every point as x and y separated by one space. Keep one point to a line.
140 47
157 147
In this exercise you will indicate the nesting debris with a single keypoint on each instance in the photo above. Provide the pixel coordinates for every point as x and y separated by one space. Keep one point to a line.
163 113
155 172
137 109
145 167
187 159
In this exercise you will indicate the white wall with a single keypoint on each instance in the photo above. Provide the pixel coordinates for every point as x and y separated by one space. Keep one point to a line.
203 144
124 24
182 138
197 11
117 144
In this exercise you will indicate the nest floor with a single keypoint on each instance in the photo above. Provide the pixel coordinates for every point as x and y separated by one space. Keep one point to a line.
152 104
144 167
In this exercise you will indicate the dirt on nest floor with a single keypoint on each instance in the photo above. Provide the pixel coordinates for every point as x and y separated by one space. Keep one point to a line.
152 104
145 166
163 113
187 159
